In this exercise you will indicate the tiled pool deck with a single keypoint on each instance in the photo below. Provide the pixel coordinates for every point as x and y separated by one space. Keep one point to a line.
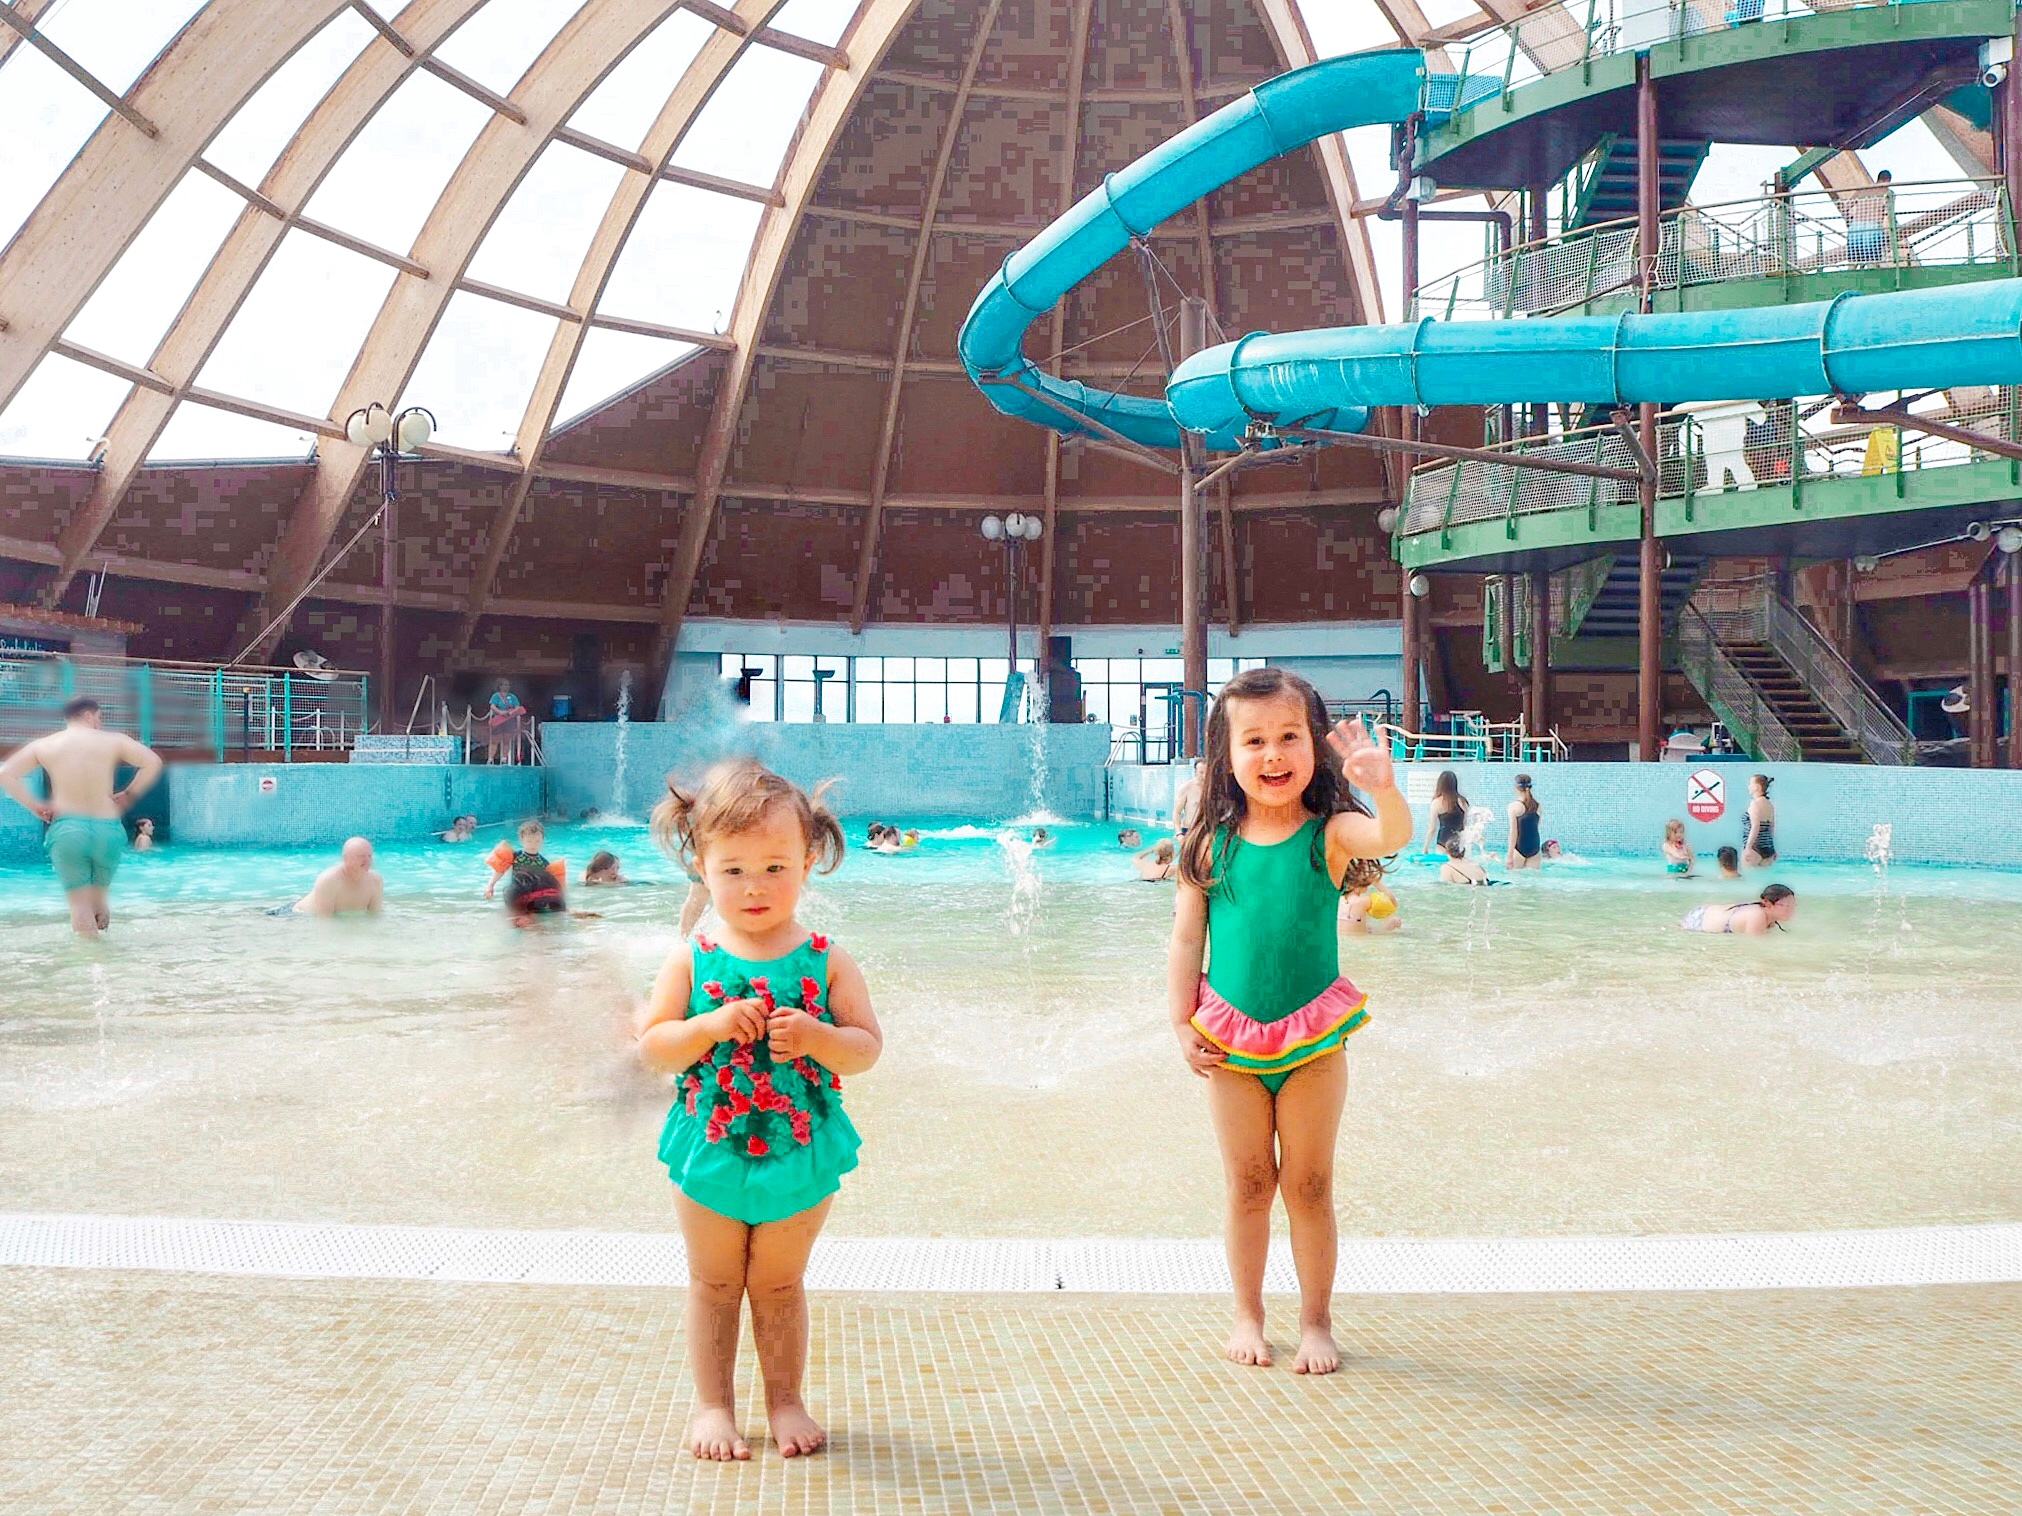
143 1391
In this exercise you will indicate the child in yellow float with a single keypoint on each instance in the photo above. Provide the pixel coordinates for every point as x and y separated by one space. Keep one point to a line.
1261 876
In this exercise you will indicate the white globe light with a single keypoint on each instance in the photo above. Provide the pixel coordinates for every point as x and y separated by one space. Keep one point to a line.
1033 527
1014 525
378 424
415 430
1386 520
1420 586
992 528
354 430
2009 539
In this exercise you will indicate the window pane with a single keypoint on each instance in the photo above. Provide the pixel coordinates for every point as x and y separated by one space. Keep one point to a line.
760 664
731 665
799 666
871 703
962 702
869 670
1095 697
1163 670
925 669
799 700
993 700
898 670
836 666
898 700
962 670
995 668
763 693
930 701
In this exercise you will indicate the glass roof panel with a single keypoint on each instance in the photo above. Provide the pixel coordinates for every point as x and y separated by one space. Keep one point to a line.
684 260
479 371
608 364
498 42
1347 28
536 245
745 129
116 39
623 107
296 336
45 117
61 411
389 179
250 142
816 20
199 432
128 313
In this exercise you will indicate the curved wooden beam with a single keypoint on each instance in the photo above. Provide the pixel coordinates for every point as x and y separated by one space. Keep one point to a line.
870 35
121 176
881 466
588 47
718 55
378 70
1190 112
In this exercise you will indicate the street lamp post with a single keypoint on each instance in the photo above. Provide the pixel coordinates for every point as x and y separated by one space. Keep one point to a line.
391 438
1014 531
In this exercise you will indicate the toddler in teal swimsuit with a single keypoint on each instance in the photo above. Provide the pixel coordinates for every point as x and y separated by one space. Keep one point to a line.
1261 877
759 1025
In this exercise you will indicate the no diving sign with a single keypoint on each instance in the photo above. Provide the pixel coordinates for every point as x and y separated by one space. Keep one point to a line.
1705 795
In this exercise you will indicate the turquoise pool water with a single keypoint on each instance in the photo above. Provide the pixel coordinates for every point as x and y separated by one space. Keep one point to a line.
1550 1056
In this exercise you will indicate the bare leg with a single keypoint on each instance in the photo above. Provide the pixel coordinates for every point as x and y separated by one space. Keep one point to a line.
693 907
83 911
1309 1121
101 905
717 1250
779 1251
1242 1112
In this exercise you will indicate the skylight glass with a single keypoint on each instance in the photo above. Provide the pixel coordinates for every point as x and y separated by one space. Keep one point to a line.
115 39
250 142
294 339
684 260
608 364
200 433
45 117
1337 28
816 20
128 313
623 107
498 42
745 129
536 245
389 179
479 371
61 411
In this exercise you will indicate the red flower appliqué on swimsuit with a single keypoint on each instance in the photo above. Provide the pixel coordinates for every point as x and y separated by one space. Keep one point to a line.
761 1105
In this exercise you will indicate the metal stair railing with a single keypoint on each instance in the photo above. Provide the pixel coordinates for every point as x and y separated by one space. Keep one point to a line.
1837 685
1730 693
1574 591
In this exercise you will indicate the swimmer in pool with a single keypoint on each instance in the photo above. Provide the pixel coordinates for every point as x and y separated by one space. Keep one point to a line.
1041 837
350 886
85 836
1526 848
1157 863
1448 812
1751 918
504 858
1729 860
603 869
1366 907
1759 845
1130 837
460 830
1677 856
1461 869
143 835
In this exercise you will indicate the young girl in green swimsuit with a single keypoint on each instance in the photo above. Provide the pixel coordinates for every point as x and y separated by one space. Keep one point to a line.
1261 877
760 1025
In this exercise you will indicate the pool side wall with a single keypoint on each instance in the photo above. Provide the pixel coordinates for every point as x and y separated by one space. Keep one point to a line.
1824 812
311 804
893 772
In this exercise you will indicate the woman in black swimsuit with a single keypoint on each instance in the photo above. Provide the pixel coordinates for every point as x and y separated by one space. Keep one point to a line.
1526 832
1449 813
1759 843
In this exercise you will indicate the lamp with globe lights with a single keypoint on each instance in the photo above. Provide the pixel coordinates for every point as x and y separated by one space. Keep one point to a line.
391 438
1014 531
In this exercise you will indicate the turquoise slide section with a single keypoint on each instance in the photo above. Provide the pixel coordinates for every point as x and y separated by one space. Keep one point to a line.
1330 378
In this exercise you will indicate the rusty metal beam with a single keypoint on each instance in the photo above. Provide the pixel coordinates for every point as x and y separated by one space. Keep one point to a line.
1910 421
881 464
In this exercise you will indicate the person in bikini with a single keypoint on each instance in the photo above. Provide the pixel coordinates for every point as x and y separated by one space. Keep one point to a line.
1778 904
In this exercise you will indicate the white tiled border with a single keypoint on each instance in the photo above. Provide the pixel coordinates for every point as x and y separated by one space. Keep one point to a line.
1980 1254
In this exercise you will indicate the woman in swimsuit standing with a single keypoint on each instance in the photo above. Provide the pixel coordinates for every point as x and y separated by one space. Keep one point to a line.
1526 844
1749 919
1759 846
1449 813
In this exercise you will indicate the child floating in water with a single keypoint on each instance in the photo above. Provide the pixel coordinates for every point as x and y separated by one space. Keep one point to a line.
1157 863
603 869
760 1026
1777 905
1677 856
1366 907
1277 831
1729 860
143 835
537 881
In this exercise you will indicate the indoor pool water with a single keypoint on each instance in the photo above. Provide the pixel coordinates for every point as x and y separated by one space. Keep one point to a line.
1553 1056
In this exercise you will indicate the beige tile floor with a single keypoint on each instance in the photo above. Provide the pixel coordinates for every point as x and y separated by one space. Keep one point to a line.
177 1393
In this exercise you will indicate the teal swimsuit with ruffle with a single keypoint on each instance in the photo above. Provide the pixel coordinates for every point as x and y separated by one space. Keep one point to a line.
750 1137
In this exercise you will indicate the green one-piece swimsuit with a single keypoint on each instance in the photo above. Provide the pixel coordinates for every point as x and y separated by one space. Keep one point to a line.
749 1136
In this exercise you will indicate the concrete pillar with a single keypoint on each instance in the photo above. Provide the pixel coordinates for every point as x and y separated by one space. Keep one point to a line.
1540 712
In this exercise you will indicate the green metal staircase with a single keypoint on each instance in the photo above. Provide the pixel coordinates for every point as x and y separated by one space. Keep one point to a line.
1606 189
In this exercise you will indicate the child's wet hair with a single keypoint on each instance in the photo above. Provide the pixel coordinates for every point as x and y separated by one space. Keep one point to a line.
533 824
736 796
1361 874
1220 808
603 858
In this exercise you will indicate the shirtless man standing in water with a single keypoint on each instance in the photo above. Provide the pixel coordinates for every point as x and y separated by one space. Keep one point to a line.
86 835
350 885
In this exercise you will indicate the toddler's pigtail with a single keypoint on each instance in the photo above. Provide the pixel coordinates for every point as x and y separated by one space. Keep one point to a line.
824 832
673 824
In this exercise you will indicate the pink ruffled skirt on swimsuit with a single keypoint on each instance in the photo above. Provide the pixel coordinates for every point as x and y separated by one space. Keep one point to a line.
1277 1047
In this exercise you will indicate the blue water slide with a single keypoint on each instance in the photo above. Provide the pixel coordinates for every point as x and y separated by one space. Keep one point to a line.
1286 113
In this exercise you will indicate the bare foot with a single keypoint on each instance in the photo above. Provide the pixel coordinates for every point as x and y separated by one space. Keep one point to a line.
713 1434
1317 1353
795 1431
1247 1345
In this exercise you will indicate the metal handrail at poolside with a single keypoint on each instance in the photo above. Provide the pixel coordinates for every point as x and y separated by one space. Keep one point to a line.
1473 739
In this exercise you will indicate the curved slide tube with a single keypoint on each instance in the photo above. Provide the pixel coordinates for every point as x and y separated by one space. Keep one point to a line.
1361 89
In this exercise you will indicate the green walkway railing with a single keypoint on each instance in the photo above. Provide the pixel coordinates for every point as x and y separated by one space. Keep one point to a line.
187 706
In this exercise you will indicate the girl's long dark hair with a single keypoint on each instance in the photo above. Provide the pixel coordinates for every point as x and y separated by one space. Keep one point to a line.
1447 787
1221 806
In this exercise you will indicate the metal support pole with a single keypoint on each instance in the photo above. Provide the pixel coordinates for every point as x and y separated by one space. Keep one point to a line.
386 711
1980 672
1541 410
1650 610
2008 140
1409 635
1193 335
1540 721
2014 570
1011 604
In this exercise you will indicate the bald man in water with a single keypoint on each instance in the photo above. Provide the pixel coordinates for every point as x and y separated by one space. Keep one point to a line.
86 835
350 885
